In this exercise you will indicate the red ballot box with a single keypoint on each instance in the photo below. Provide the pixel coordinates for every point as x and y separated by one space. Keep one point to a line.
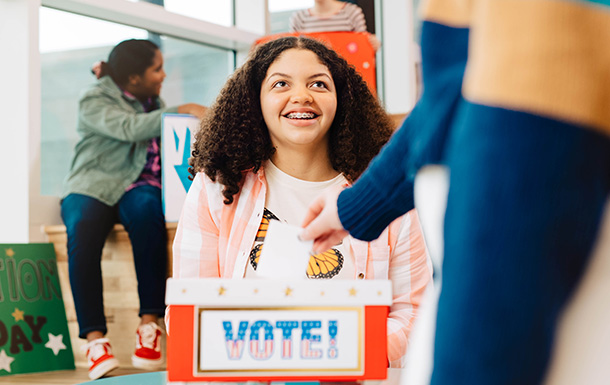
266 330
353 46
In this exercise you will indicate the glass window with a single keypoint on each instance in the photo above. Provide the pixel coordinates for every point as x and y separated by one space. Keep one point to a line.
58 32
416 21
195 73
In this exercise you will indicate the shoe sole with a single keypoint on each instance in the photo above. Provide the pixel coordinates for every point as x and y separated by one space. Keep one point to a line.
146 364
103 368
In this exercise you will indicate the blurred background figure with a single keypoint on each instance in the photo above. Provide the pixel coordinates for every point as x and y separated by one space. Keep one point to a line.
332 16
116 177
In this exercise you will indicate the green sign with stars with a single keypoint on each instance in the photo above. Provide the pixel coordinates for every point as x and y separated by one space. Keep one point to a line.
34 333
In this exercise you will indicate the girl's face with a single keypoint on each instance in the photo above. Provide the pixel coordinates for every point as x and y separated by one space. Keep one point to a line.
149 83
298 100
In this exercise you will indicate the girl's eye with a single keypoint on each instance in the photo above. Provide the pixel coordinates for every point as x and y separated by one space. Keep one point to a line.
280 84
319 84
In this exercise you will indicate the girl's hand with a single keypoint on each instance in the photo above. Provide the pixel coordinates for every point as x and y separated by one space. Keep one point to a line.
375 43
96 69
193 108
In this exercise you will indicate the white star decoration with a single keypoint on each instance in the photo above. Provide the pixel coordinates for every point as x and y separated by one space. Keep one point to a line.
55 343
5 361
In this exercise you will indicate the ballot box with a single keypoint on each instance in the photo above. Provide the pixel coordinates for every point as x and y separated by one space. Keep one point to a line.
268 330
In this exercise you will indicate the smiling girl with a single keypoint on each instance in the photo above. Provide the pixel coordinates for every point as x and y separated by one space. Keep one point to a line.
116 177
292 122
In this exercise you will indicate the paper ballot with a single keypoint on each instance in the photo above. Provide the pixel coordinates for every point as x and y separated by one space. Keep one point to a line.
284 255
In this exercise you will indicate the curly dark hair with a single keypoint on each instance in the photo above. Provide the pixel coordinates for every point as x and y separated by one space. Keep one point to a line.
234 138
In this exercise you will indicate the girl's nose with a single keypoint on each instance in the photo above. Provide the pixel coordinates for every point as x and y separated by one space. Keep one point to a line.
301 95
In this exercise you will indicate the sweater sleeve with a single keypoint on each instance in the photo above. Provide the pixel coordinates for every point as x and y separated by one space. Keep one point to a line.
382 193
385 190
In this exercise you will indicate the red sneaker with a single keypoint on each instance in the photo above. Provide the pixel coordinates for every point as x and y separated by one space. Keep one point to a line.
148 347
100 358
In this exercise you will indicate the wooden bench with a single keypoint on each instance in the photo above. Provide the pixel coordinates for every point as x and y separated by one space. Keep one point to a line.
121 303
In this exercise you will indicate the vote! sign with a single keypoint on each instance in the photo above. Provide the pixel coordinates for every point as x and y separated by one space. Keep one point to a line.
34 333
235 330
257 339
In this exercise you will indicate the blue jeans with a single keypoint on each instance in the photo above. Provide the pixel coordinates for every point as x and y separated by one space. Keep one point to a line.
88 223
525 201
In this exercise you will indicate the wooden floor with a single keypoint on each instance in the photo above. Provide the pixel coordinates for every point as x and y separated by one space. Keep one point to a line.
63 377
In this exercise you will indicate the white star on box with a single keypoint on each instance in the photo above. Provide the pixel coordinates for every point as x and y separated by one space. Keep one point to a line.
5 361
55 343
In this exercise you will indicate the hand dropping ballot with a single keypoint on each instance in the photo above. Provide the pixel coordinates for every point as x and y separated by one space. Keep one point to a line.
284 254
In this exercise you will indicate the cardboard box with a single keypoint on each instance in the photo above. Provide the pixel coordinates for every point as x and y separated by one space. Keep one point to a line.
266 330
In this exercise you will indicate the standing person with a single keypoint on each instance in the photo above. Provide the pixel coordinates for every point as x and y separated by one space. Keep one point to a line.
515 103
295 120
331 16
116 176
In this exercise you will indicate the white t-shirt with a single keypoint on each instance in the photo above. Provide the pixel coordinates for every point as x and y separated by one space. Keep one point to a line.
287 200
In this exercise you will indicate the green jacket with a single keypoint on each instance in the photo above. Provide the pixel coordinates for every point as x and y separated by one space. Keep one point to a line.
115 134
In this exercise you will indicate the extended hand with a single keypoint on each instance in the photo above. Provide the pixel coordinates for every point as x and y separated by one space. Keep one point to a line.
96 69
322 223
375 43
193 108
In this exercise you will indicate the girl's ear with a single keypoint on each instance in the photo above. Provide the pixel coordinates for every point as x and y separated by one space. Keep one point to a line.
134 80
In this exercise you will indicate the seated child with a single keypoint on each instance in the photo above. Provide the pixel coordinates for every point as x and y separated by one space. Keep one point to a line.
332 16
292 122
116 177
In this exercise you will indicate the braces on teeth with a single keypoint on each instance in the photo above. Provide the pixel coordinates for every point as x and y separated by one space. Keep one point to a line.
300 115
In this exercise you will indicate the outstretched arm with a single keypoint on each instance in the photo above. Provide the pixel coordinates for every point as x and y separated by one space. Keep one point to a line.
193 108
385 190
382 194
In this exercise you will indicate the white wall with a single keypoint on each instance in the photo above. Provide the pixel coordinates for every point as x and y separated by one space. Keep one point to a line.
20 109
